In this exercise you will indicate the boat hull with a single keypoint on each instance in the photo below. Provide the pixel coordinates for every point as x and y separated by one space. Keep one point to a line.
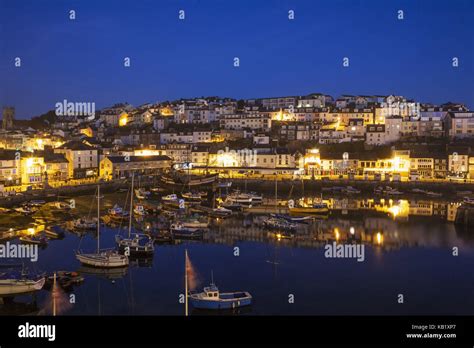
220 304
9 287
99 261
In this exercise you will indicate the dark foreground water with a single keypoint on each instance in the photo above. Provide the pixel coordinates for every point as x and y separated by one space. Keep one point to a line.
412 256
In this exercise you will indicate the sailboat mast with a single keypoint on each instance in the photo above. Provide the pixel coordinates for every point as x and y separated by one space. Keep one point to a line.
186 282
131 208
276 192
98 219
54 292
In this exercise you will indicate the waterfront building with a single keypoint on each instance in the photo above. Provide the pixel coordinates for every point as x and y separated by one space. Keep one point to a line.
83 159
10 168
118 167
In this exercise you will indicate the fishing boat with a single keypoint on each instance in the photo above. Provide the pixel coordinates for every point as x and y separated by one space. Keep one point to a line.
417 190
105 258
212 298
220 212
16 283
179 231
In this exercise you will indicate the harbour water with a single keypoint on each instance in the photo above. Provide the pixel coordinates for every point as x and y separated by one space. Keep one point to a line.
408 250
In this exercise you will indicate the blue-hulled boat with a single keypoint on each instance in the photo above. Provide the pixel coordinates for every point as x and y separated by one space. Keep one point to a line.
211 298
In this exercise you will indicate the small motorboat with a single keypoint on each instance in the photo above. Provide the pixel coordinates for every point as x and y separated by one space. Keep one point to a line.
179 231
173 198
279 224
142 194
224 184
36 202
139 210
192 196
297 219
117 212
468 200
62 205
229 204
220 212
193 222
84 224
65 279
211 298
140 245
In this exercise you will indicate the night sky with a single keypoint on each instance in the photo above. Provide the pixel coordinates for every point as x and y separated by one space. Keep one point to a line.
82 59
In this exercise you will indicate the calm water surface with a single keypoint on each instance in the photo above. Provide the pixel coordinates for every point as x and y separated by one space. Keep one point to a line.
411 255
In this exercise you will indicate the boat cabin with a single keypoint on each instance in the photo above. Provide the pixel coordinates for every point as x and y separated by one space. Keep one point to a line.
211 292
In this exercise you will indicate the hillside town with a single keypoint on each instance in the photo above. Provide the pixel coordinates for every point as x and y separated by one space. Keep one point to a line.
316 136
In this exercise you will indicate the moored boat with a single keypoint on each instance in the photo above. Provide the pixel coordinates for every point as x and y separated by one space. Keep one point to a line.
212 298
316 208
220 212
12 284
179 231
105 258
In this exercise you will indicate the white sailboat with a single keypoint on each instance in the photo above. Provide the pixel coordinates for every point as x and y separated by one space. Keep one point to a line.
104 258
16 285
140 245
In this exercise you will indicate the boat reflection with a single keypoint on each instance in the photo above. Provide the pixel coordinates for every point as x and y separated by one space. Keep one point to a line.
107 273
8 306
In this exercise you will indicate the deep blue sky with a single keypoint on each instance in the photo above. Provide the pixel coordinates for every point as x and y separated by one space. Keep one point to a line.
82 60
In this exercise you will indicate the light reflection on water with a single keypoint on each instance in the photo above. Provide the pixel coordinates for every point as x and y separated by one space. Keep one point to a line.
408 250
